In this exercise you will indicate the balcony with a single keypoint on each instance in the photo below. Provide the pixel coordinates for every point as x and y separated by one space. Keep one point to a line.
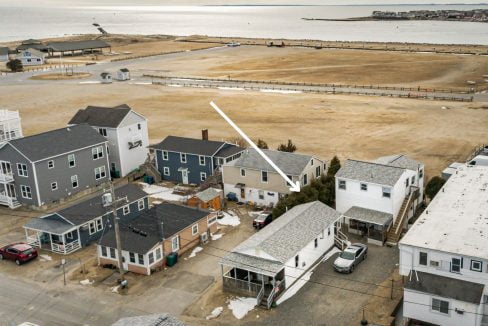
6 177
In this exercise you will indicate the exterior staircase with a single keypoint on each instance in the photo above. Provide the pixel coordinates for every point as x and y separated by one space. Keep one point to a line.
214 181
149 168
340 240
395 231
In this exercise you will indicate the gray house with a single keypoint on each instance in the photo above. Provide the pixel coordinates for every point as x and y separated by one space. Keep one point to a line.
48 167
77 226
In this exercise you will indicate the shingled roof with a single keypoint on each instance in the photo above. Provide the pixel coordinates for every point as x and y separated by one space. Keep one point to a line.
56 142
193 146
77 45
99 116
289 163
269 249
370 172
400 161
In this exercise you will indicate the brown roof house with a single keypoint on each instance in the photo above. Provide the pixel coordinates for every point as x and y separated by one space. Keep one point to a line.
147 239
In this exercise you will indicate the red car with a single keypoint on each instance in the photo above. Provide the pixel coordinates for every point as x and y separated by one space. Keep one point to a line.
18 252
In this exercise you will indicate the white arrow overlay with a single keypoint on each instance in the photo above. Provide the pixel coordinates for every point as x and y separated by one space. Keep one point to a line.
294 186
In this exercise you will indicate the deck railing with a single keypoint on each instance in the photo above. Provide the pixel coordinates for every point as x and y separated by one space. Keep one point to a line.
252 289
33 241
6 177
65 248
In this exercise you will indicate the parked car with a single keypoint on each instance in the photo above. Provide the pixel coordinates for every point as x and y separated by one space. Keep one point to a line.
234 44
18 252
350 258
262 220
231 196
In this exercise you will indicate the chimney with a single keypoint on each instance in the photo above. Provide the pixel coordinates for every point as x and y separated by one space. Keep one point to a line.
204 134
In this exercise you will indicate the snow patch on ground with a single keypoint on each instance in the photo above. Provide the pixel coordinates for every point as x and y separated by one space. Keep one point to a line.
115 289
86 282
291 291
241 306
161 192
195 251
255 214
230 218
45 257
215 313
217 236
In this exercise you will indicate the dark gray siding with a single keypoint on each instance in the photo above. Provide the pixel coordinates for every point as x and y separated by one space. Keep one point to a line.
61 173
192 164
9 154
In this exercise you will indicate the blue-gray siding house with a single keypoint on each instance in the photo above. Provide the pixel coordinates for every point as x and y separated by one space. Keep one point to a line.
79 225
190 160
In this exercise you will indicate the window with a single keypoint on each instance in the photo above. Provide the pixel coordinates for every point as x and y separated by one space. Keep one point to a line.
99 224
305 179
97 152
140 204
112 252
311 162
182 157
297 259
104 251
317 171
74 181
421 173
264 176
261 194
386 192
342 184
423 258
413 180
165 155
92 228
158 254
243 172
69 235
50 164
194 229
54 186
364 187
132 257
22 170
71 160
201 159
203 176
103 132
175 243
316 242
476 266
126 209
221 161
289 177
26 192
407 182
212 220
139 126
328 231
140 258
440 306
100 173
151 258
456 265
166 170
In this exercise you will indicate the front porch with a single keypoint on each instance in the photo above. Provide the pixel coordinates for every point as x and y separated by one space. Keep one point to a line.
63 241
369 223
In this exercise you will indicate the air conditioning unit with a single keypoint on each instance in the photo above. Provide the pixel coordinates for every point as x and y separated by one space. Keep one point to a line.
434 263
204 238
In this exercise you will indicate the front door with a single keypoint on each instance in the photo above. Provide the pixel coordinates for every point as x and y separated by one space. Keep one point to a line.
243 193
125 264
184 176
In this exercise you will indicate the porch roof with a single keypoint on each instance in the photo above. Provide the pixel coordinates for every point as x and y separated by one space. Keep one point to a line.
369 215
252 264
49 225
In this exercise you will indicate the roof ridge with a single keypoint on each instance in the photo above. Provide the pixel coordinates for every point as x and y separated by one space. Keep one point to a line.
48 132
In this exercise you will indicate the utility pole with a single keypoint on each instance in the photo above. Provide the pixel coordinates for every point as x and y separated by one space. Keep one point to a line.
114 203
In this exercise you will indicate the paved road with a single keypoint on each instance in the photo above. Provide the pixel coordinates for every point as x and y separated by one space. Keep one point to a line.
243 85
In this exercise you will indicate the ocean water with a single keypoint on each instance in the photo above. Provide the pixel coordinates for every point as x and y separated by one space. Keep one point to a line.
22 21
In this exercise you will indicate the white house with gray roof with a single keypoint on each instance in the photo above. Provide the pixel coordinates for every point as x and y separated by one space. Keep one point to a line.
380 196
252 179
444 255
45 168
271 260
126 132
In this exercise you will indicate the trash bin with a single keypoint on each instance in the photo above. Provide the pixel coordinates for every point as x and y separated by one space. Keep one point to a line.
171 259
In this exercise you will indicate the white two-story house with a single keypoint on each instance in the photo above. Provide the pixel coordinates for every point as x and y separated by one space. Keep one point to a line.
377 198
251 179
444 255
126 132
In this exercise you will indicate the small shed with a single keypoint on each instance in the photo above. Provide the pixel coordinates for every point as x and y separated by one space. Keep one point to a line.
210 198
123 74
106 77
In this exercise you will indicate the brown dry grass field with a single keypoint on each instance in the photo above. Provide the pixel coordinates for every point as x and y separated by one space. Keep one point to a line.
357 127
355 67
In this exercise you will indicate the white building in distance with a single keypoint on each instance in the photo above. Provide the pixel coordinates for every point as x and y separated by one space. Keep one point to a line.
444 255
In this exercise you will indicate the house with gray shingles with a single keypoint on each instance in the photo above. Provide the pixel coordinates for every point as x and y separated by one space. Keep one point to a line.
378 198
76 226
48 167
252 179
191 161
271 260
126 132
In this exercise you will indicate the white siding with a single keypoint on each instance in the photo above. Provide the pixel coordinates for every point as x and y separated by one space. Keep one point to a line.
131 159
252 194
